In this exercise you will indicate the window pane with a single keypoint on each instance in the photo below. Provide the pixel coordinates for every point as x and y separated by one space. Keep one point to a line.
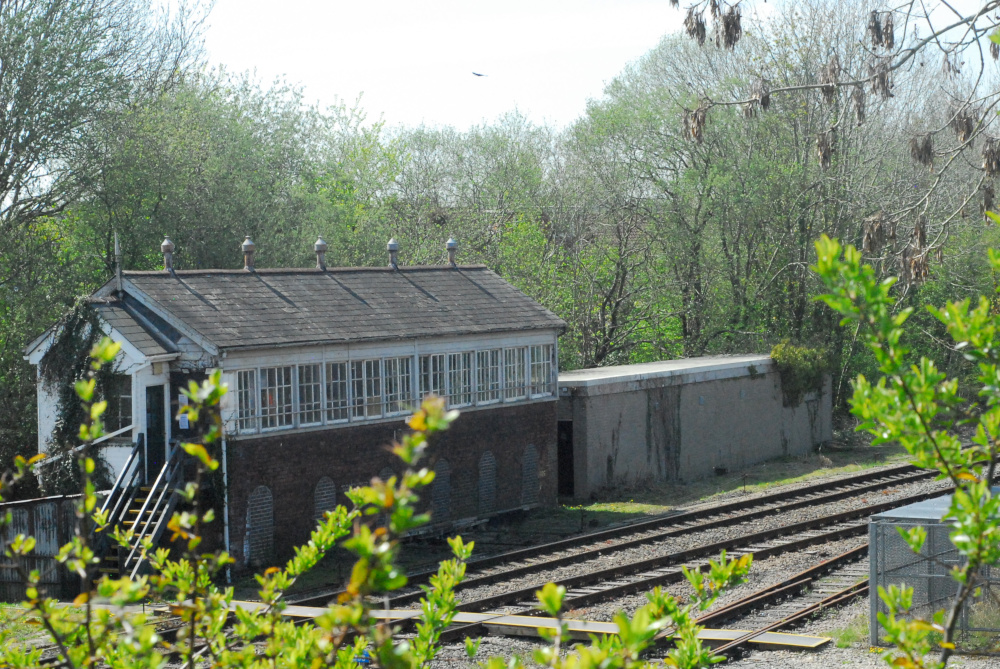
118 395
366 388
309 395
459 379
514 364
432 375
488 376
276 396
336 391
541 370
397 385
246 395
373 388
357 389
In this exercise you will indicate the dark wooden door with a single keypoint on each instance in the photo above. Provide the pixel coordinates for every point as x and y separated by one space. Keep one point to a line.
565 457
156 432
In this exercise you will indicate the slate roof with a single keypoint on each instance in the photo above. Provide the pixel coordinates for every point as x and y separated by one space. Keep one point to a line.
120 317
239 309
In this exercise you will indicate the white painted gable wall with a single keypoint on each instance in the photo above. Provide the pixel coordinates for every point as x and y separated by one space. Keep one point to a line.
130 361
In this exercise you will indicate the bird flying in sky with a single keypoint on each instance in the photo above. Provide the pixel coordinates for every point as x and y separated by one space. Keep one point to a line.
479 75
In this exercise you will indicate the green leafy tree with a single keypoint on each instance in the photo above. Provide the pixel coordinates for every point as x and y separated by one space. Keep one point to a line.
917 405
66 67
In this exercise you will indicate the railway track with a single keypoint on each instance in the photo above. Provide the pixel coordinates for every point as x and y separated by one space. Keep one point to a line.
546 557
594 586
834 582
642 575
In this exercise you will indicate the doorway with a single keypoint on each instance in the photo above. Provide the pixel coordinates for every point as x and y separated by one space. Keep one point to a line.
156 432
565 457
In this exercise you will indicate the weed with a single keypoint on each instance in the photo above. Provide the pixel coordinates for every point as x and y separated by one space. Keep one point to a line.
854 633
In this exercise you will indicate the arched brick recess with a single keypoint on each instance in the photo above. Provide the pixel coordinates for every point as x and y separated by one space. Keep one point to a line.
464 496
258 543
441 492
325 497
529 475
487 484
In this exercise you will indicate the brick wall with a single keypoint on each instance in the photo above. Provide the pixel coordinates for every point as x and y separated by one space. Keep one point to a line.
519 441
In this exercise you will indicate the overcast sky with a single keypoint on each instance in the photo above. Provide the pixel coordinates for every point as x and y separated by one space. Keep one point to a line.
413 61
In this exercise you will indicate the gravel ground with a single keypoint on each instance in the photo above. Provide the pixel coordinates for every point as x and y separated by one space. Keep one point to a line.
695 538
858 656
762 574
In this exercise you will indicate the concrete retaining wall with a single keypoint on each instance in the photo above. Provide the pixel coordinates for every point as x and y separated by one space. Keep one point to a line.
680 420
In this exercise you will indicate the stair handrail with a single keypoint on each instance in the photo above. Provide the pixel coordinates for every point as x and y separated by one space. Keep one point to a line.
161 512
160 489
129 479
133 458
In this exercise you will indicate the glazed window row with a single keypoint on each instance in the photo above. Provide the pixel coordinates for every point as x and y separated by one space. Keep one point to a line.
313 394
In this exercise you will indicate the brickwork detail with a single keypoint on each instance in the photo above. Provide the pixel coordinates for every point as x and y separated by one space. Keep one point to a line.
441 492
464 496
325 498
487 484
258 544
529 475
291 466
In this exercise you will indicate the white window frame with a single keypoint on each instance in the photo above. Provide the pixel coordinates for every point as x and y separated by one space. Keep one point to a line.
463 376
317 401
460 378
515 386
434 367
247 422
397 376
345 380
489 376
265 417
544 366
366 373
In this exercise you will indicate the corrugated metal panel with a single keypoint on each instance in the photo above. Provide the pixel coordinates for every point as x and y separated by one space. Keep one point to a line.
46 529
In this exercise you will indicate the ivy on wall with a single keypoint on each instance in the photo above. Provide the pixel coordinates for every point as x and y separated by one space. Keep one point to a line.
65 363
801 369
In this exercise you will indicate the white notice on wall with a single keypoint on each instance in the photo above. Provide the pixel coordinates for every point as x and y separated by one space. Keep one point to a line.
185 424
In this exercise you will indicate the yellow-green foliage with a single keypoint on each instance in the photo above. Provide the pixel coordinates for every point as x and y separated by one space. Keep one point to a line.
801 369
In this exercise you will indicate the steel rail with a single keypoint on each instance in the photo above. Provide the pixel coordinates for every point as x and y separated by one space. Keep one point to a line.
780 590
552 563
838 598
789 587
612 575
828 491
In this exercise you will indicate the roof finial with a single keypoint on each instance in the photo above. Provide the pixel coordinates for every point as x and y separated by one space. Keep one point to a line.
167 248
452 246
320 248
248 249
393 248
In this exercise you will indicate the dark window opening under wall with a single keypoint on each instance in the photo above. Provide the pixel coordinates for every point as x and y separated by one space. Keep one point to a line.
565 457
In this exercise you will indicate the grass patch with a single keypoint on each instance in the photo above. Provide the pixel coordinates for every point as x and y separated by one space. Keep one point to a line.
662 497
14 625
854 633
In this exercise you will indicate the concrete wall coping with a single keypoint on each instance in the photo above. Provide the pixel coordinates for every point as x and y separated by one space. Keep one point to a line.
626 378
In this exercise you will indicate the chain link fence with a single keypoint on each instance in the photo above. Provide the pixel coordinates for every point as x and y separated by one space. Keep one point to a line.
892 562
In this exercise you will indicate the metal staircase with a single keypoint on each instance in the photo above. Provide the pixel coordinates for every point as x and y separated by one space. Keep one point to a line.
134 505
